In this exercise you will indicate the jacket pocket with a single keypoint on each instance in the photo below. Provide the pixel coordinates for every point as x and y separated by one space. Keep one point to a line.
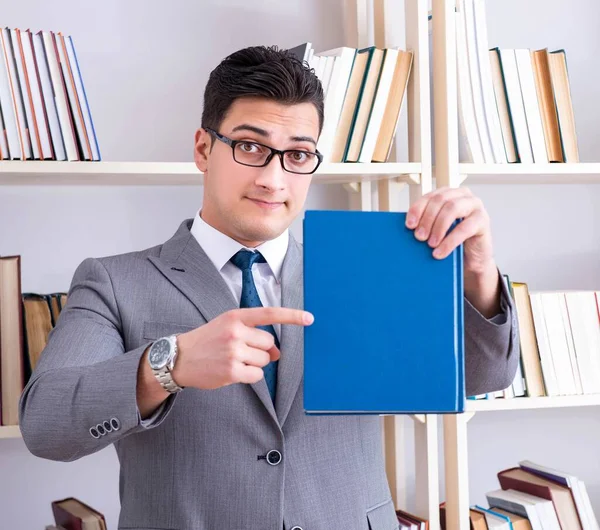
383 517
153 330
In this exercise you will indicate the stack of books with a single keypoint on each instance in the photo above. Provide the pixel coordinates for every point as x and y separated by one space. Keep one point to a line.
44 109
26 320
364 92
559 343
533 497
514 104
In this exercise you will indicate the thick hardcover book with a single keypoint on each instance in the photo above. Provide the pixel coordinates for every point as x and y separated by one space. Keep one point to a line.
388 331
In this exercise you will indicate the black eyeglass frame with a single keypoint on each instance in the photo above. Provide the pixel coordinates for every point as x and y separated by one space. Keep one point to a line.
232 143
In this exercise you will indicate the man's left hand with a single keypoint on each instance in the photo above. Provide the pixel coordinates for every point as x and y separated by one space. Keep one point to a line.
431 217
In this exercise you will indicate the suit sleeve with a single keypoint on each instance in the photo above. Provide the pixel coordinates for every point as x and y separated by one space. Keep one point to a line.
491 347
81 396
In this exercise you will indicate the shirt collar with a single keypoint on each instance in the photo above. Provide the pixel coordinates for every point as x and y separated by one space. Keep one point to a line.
220 248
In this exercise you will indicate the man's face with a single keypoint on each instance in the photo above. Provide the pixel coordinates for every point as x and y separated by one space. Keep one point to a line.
255 204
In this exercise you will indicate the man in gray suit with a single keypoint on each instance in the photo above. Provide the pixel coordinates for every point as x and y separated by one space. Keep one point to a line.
188 356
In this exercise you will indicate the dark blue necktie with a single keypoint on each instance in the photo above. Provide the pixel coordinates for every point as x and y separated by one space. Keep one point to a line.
244 259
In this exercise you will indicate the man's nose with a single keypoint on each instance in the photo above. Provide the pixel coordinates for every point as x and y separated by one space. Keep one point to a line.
272 176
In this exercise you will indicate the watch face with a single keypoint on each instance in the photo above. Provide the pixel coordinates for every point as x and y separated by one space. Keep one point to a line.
159 353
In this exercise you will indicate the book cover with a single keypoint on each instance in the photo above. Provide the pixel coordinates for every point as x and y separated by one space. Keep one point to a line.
388 331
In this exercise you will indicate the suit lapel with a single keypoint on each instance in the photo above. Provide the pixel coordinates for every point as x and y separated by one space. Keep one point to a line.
291 362
185 264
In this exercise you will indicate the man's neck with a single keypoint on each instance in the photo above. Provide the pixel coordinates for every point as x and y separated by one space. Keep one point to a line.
208 221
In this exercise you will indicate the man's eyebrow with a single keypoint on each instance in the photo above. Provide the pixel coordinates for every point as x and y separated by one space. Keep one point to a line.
303 139
252 128
267 134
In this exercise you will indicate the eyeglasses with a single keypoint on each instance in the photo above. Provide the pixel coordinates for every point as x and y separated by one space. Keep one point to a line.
258 155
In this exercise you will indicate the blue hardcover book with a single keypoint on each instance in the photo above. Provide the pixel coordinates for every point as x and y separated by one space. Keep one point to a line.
388 331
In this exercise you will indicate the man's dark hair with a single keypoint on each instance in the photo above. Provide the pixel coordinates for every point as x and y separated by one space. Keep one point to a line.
264 72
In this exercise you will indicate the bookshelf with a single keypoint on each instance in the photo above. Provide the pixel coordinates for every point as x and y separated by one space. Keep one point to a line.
18 173
449 171
581 173
530 403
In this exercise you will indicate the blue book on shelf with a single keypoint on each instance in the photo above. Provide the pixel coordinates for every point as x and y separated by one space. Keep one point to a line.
388 331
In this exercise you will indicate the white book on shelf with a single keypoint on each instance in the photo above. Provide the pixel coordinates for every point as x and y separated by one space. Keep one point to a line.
327 69
8 110
541 333
558 343
501 100
39 109
16 100
60 94
85 107
585 329
570 344
469 143
340 75
476 83
382 93
4 151
49 97
76 113
489 101
515 104
531 105
30 117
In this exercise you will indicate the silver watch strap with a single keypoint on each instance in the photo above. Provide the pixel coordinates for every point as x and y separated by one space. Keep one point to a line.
165 378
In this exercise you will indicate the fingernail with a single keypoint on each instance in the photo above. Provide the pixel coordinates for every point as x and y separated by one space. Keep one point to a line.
437 253
308 318
420 233
410 221
433 241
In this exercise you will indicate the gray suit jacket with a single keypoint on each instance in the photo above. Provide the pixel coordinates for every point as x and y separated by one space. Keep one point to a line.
197 463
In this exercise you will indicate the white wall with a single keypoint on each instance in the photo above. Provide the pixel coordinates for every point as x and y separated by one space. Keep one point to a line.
145 66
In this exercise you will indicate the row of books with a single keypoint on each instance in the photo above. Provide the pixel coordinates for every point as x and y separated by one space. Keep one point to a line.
364 92
26 320
514 104
533 497
45 114
559 343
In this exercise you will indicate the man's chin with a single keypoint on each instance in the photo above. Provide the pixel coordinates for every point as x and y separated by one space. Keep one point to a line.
264 230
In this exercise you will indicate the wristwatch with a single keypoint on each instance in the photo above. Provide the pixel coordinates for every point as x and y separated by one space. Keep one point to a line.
162 356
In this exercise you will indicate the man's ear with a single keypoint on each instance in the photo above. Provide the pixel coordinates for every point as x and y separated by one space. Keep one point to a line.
202 145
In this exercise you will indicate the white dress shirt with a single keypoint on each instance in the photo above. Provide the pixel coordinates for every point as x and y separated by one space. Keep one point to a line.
220 248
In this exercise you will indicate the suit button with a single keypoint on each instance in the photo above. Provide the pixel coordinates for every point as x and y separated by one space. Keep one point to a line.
100 429
94 433
115 424
273 458
296 528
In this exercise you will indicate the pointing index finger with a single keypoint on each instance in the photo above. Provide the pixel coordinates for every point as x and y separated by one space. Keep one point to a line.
263 316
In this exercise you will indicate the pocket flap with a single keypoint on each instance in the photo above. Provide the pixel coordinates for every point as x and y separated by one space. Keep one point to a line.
383 517
153 330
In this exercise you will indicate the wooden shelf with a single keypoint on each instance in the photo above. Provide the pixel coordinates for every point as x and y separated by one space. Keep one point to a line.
10 432
525 403
581 173
17 173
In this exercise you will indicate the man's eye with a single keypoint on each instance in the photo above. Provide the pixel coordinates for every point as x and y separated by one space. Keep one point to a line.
249 147
299 156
